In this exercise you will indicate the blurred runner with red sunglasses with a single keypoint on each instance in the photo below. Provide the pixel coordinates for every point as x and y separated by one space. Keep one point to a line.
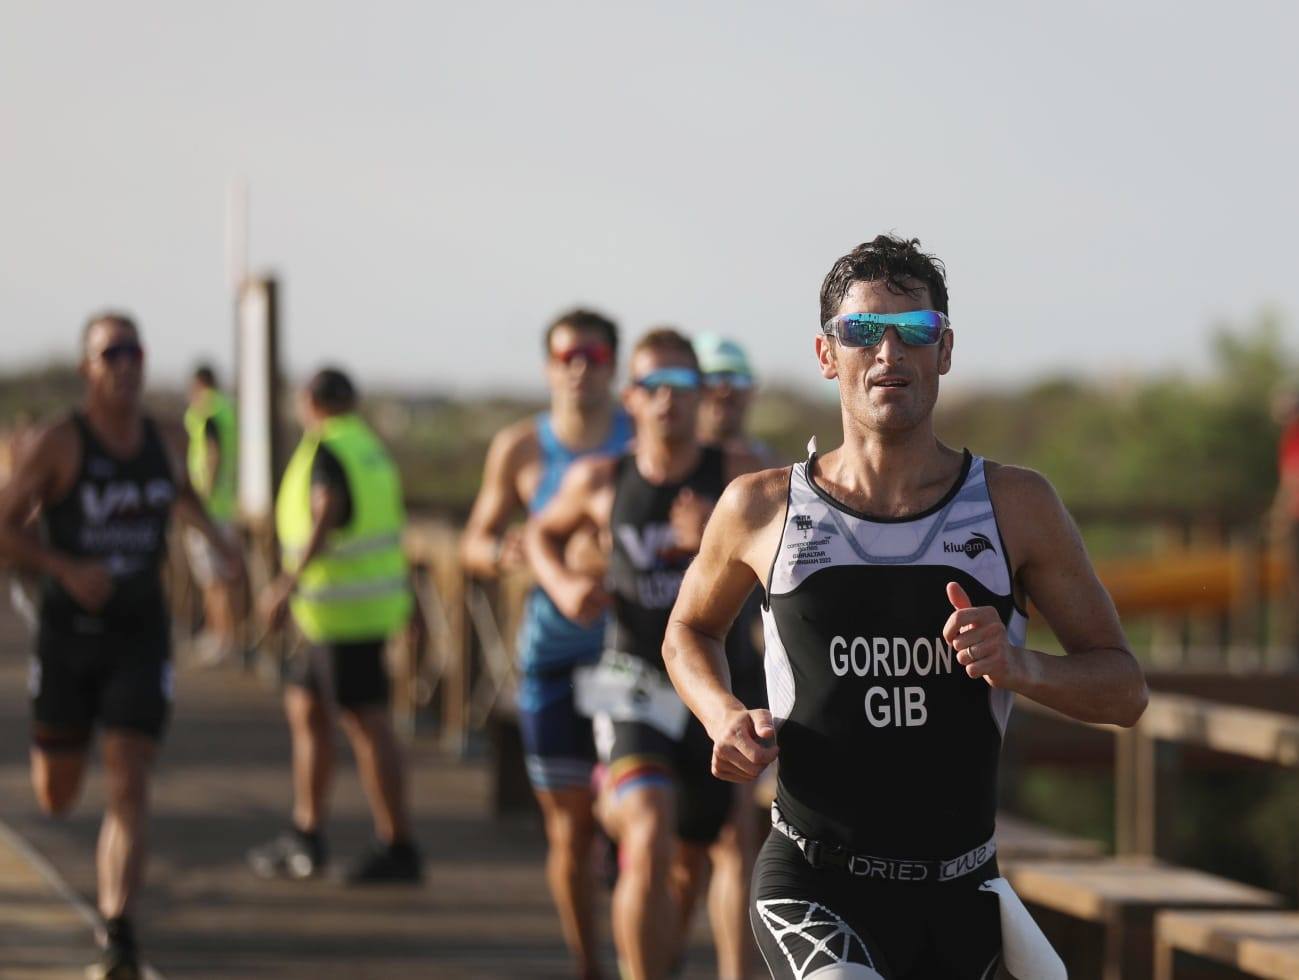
525 465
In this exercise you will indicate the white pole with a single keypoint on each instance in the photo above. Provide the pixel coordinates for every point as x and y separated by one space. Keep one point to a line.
236 234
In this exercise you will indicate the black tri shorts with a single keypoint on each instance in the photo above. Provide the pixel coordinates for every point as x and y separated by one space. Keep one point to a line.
352 675
642 755
117 679
834 926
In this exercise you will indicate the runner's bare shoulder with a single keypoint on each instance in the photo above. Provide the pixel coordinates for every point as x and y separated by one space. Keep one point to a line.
590 474
1029 511
750 512
510 454
49 461
515 444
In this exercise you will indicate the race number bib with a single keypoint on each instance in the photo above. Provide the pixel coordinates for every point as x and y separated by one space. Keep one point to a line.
626 688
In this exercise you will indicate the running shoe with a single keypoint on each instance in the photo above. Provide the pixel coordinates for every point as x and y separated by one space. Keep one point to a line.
386 863
291 855
210 650
120 959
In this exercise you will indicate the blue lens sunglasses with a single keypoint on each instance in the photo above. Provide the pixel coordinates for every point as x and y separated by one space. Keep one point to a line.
919 328
677 378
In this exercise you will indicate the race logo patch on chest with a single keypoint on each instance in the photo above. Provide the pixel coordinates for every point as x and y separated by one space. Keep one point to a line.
807 542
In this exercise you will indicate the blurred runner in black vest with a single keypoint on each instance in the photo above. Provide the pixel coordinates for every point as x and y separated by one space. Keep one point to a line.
105 486
663 794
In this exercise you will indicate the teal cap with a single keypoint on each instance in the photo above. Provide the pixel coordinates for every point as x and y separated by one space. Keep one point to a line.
716 354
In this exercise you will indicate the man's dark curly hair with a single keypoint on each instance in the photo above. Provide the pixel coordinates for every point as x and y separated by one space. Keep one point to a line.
580 319
896 262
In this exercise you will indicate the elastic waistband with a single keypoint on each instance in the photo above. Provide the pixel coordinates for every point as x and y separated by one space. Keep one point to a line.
837 857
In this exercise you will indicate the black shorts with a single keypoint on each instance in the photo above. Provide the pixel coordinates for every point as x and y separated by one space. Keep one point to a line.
806 919
641 755
353 675
114 679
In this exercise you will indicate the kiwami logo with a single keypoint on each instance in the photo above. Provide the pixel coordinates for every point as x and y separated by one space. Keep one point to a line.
977 544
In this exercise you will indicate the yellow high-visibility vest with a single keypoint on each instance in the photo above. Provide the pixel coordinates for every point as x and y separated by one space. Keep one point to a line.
219 498
357 587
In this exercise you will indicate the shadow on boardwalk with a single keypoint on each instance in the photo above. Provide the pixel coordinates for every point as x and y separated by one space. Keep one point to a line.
222 786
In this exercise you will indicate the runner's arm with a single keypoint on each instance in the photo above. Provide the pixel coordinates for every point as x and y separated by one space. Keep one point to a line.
1099 680
715 588
691 512
583 500
34 483
488 543
189 508
44 471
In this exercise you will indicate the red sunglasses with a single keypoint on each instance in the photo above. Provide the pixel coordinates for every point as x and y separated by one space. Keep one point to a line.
597 355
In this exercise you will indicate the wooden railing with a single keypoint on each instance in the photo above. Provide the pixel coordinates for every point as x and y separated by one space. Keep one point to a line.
1189 722
461 662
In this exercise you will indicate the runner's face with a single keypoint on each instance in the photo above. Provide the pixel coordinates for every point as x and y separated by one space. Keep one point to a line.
576 379
113 363
666 414
891 387
723 410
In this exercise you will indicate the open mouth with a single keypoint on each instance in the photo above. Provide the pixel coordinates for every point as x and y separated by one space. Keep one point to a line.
890 382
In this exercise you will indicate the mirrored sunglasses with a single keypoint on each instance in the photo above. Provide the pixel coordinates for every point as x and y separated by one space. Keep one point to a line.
677 378
919 328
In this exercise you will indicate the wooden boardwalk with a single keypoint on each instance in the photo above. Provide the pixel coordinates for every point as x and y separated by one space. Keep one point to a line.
221 787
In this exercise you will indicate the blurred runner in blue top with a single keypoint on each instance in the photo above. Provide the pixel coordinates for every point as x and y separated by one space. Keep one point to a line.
525 464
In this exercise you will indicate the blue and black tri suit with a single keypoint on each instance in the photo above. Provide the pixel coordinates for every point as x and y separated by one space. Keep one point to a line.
557 741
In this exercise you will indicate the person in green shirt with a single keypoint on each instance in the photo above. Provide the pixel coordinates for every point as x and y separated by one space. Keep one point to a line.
211 460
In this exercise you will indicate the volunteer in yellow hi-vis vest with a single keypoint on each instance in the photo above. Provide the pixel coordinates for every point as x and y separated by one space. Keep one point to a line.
212 463
339 518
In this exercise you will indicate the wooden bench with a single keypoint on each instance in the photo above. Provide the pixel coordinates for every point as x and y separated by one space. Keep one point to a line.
1261 944
1100 913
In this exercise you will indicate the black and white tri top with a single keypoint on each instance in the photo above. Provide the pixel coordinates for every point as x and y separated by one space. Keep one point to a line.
117 513
886 745
645 565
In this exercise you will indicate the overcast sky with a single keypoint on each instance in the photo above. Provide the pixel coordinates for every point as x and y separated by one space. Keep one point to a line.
433 181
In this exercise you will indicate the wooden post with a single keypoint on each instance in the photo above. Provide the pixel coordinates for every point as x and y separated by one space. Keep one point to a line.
1167 635
1134 793
261 443
1245 650
455 692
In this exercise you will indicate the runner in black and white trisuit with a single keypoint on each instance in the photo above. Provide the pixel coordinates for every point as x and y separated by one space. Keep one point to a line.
663 794
104 485
896 572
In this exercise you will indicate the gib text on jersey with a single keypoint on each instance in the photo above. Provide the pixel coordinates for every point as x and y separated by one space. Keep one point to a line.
886 744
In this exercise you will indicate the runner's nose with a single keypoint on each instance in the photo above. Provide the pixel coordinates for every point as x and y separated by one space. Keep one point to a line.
891 349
